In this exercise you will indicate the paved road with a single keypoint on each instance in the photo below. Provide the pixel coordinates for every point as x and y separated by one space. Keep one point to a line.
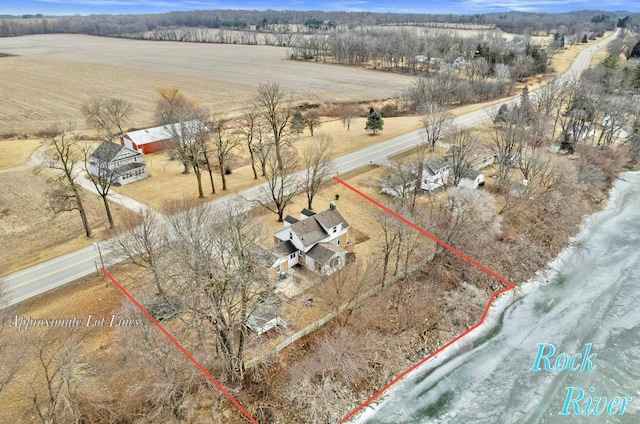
45 276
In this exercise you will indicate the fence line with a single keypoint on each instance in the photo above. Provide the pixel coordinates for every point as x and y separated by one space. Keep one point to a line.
316 325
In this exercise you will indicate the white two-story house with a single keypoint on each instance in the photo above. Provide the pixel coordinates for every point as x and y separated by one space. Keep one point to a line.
317 241
117 163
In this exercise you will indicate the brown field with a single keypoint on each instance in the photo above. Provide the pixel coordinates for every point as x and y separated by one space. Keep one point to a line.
54 74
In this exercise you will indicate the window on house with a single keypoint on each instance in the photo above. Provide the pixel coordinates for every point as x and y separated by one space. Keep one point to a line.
290 235
335 229
334 262
293 255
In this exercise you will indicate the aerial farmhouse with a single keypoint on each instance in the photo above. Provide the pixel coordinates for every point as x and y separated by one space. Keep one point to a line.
317 241
120 164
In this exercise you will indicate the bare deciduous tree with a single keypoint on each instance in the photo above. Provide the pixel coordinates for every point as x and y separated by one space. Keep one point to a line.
225 142
102 173
341 289
62 370
275 107
220 274
170 105
462 148
63 156
541 175
436 121
190 137
170 382
247 126
312 120
107 115
317 162
282 183
142 240
262 149
508 136
388 242
346 114
324 385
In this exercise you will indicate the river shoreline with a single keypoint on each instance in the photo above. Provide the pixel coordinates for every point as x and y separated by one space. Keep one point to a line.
497 309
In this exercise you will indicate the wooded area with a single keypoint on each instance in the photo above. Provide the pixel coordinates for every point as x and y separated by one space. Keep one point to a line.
299 21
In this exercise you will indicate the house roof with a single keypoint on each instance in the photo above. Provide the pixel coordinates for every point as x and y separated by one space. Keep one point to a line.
330 218
471 173
309 231
314 228
323 252
265 316
128 167
434 165
290 219
284 249
307 212
164 132
107 151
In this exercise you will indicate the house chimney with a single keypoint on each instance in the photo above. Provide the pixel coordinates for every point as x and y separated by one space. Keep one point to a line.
332 205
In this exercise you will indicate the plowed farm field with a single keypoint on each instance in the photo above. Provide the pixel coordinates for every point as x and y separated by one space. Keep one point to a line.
52 75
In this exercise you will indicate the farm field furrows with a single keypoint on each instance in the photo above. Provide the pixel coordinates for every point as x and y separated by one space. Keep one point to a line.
53 74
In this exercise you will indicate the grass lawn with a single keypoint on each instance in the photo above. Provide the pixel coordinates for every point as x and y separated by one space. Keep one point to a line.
31 233
16 152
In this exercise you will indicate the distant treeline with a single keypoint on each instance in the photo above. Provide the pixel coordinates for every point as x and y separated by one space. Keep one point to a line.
307 21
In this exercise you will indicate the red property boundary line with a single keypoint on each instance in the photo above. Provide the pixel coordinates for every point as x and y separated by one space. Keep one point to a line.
507 283
180 347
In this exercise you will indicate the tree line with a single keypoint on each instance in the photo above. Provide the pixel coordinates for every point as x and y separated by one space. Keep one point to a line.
305 21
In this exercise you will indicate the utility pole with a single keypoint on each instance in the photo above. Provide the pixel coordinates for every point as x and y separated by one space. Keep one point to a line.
96 246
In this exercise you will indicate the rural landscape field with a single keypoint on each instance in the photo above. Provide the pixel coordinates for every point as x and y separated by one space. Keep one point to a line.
287 251
52 75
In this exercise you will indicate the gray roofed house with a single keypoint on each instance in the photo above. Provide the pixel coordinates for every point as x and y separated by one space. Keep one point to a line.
318 242
434 174
330 218
284 248
117 163
106 151
309 232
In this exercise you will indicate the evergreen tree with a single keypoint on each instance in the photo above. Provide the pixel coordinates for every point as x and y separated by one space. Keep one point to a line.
374 122
297 123
611 62
502 115
636 77
635 52
623 22
526 110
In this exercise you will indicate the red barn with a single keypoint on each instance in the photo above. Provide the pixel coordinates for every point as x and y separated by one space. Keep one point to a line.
156 139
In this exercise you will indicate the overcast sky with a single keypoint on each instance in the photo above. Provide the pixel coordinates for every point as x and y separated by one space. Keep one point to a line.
70 7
